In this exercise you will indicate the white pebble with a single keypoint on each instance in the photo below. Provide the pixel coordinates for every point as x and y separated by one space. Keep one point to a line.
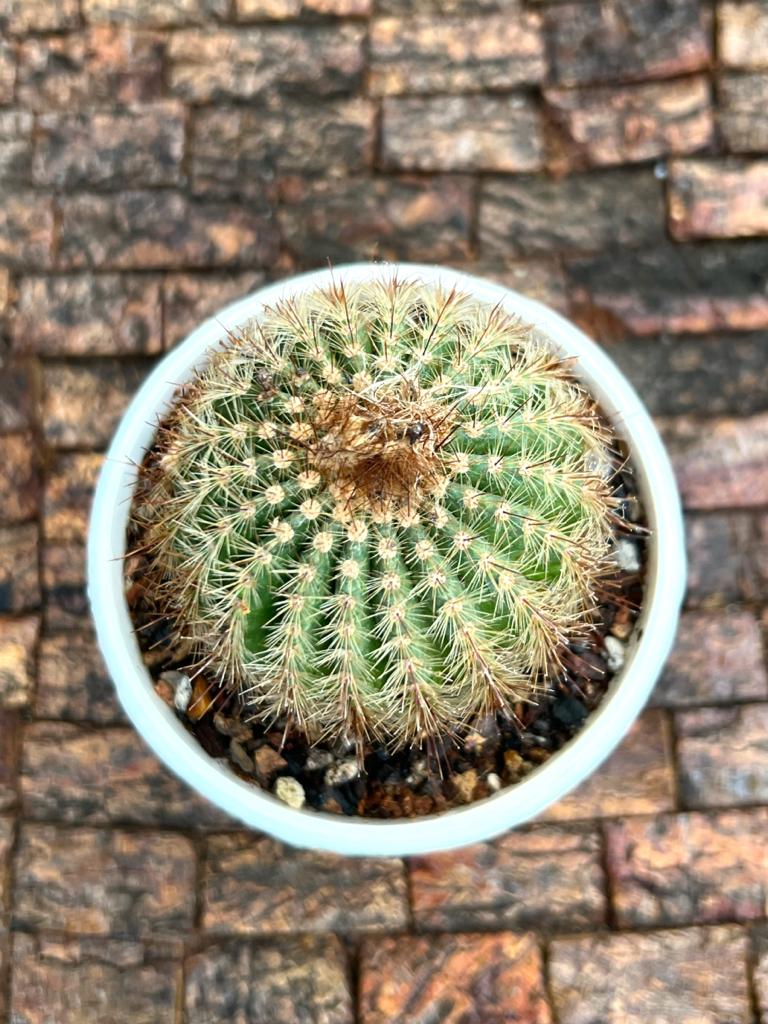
494 782
627 557
182 689
290 791
342 772
418 772
318 759
615 653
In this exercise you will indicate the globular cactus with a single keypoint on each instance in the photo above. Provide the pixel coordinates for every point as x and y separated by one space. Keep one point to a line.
380 511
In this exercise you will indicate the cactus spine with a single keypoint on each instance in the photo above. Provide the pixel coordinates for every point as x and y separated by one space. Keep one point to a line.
376 512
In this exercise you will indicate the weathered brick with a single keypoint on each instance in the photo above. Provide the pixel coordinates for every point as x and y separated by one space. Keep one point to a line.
19 480
718 198
671 288
6 844
258 887
75 774
724 466
188 299
73 682
721 567
23 16
423 54
85 314
626 40
137 146
689 976
384 218
19 578
546 877
18 395
150 230
70 418
462 133
73 981
697 376
540 279
453 979
100 882
67 499
741 112
581 213
760 973
65 605
15 147
717 659
5 941
460 7
605 125
222 63
107 64
297 982
742 33
26 230
8 64
722 755
18 640
7 291
758 554
240 150
155 13
246 10
636 779
10 750
689 868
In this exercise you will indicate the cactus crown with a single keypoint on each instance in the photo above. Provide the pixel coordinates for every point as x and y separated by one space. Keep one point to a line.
378 512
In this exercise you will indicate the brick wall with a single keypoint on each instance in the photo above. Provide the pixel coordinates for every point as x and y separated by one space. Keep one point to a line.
159 158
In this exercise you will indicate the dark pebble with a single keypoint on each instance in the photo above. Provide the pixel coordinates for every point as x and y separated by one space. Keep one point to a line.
210 739
346 797
569 711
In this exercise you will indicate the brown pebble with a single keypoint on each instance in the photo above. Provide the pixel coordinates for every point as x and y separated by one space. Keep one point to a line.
240 756
134 593
164 691
623 614
621 630
423 804
538 755
136 563
156 658
203 697
268 763
332 805
465 784
474 742
589 665
232 727
513 765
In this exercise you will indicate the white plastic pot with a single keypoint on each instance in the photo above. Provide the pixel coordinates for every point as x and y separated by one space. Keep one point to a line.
648 648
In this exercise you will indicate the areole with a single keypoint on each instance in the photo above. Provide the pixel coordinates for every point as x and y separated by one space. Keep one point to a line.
649 646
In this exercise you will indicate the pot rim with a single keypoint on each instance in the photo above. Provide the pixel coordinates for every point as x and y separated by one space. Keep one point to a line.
647 650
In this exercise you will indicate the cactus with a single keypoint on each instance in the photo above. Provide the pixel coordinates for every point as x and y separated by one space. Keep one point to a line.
379 512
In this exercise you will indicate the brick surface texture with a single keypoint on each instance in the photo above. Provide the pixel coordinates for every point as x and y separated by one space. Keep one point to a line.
255 887
159 159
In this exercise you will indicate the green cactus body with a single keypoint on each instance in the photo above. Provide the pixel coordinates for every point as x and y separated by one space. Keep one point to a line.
376 512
